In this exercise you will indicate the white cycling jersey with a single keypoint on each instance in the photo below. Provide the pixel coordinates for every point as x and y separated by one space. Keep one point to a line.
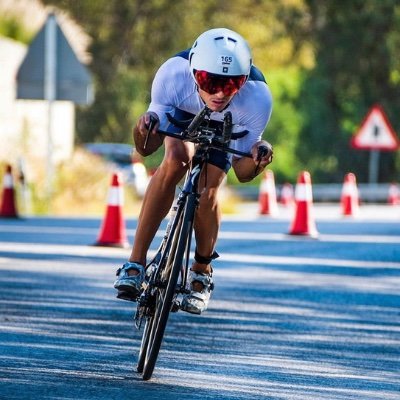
175 89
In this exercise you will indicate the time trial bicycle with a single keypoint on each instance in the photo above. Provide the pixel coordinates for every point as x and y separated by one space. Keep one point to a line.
166 278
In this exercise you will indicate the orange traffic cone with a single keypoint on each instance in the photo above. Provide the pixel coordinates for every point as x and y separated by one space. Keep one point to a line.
267 195
112 232
8 208
394 194
287 195
303 222
349 197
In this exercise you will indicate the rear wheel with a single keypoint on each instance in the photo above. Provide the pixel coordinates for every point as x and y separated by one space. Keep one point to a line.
165 294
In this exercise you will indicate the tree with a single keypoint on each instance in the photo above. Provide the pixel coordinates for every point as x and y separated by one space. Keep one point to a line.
357 45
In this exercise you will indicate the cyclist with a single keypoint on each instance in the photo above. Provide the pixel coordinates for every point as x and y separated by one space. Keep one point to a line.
218 72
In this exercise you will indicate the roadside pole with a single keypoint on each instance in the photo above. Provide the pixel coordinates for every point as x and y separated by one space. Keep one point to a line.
50 66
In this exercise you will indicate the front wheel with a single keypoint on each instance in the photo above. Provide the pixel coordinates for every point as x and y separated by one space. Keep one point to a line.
165 296
145 343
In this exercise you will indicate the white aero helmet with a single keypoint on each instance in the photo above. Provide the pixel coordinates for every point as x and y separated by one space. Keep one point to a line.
223 53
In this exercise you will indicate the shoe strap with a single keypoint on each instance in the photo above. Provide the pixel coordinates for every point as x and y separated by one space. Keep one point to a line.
129 265
204 279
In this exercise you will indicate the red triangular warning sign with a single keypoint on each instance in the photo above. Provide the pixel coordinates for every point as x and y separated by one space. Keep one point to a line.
375 132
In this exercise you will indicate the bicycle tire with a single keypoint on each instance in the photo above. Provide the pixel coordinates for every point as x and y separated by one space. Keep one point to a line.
144 344
164 303
164 298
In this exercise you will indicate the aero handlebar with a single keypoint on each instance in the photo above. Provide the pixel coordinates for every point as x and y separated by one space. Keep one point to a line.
198 131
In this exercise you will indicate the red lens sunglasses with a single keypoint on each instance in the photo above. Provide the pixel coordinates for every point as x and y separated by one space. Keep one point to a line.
212 83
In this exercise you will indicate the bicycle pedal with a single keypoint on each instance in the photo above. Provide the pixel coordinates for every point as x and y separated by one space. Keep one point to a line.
176 305
124 295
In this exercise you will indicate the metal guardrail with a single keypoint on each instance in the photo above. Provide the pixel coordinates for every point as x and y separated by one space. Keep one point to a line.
369 193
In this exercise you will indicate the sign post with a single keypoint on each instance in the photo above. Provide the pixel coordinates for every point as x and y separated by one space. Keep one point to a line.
51 71
50 66
375 134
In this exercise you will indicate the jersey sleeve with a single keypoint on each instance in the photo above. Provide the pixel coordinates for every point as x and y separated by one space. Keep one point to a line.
163 92
255 120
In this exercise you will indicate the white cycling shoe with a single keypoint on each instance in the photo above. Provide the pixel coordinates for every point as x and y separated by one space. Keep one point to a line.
197 302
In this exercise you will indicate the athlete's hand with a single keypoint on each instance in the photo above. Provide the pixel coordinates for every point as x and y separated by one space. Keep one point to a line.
262 152
148 120
145 135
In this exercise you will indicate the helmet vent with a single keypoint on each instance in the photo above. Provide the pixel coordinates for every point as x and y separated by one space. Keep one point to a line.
229 38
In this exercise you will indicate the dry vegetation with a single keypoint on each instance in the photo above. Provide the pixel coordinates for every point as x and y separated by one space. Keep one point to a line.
80 188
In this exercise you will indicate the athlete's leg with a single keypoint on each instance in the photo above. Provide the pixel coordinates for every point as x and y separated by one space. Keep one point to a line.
206 227
208 216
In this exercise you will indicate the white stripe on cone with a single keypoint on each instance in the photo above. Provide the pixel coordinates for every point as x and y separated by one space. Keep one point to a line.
267 186
115 196
349 189
8 181
303 192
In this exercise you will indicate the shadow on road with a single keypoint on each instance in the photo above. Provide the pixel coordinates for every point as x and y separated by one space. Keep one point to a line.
64 335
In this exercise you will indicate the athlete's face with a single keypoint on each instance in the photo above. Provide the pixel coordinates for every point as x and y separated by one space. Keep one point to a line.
217 101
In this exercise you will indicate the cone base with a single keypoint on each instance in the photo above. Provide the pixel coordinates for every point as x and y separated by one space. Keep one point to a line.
311 235
303 223
112 232
350 207
123 245
8 207
267 206
350 215
269 213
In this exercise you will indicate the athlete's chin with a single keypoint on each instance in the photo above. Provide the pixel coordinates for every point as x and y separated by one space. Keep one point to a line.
217 105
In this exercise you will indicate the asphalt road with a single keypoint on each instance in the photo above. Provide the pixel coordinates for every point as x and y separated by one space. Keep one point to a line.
290 318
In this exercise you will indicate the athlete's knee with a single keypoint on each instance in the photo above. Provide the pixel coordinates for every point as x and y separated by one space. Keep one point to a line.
209 197
174 165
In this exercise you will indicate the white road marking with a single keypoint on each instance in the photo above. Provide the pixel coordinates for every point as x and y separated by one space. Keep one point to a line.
111 252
